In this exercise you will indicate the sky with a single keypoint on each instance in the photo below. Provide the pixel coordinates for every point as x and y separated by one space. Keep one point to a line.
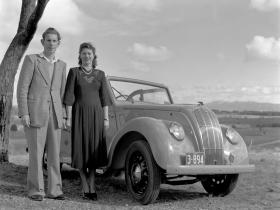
203 50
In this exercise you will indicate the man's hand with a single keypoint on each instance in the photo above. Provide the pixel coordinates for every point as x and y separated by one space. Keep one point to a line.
106 124
25 120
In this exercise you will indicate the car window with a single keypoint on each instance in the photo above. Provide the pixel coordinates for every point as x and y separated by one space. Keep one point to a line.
135 93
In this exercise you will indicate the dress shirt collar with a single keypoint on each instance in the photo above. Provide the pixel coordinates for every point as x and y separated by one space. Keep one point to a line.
47 59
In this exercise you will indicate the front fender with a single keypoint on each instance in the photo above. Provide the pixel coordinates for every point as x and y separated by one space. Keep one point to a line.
155 133
238 151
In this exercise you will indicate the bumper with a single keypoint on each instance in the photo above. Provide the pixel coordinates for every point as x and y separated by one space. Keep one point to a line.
209 169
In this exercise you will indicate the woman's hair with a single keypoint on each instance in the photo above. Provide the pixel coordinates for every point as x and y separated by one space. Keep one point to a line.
51 31
88 45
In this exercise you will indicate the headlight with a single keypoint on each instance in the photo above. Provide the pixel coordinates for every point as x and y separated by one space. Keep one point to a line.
232 136
177 131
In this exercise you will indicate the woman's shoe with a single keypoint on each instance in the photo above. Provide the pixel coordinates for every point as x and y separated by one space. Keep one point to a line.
86 196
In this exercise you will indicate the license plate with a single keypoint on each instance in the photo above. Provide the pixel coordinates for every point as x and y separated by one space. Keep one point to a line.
196 158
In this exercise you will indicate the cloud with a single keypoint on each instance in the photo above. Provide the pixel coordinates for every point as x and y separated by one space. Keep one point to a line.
264 48
259 93
63 15
149 53
9 17
221 56
265 5
226 93
259 90
138 4
139 66
123 17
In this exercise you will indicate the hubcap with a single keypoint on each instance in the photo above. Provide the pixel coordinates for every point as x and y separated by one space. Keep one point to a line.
139 173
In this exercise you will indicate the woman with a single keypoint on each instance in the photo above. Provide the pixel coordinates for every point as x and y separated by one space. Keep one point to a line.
87 98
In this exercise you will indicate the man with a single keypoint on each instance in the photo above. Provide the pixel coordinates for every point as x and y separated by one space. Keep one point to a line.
39 94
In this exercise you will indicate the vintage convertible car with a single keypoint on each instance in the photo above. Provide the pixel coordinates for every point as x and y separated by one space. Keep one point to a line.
155 141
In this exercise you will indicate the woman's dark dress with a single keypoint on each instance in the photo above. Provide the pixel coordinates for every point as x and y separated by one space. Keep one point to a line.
87 94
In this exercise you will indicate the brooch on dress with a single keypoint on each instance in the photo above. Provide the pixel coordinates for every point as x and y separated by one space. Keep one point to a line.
89 79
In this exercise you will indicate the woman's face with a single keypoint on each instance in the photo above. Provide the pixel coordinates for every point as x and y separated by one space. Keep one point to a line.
86 56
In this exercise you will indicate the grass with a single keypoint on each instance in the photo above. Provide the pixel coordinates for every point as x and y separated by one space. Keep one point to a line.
256 122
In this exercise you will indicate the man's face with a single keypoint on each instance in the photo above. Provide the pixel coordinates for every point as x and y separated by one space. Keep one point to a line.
50 43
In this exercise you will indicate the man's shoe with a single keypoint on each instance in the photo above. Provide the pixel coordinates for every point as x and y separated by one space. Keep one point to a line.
36 197
59 197
93 196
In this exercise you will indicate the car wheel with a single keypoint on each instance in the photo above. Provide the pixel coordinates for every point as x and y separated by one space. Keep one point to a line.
142 175
219 185
45 165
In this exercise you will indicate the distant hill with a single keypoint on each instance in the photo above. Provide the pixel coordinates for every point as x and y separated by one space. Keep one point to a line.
243 106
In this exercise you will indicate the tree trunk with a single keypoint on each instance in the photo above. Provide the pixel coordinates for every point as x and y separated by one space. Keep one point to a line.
31 12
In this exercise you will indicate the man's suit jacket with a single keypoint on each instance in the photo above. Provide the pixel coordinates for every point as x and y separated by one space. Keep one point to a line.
35 90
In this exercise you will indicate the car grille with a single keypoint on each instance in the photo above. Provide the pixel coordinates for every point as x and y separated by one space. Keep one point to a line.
205 117
211 135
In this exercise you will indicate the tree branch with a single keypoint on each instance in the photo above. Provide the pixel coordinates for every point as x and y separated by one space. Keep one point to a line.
27 7
34 19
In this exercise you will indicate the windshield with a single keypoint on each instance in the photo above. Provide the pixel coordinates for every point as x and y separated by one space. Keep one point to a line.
135 93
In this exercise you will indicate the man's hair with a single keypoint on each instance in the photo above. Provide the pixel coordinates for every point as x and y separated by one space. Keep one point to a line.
51 31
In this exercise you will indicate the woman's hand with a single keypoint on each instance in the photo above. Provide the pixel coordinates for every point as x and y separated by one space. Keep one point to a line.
64 123
68 122
106 124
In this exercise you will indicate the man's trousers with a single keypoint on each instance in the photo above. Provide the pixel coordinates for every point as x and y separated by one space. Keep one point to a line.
37 139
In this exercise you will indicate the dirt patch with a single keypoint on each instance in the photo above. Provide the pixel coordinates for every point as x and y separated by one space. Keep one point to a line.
259 190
